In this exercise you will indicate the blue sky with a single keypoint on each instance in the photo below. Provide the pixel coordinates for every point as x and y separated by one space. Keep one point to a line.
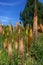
10 10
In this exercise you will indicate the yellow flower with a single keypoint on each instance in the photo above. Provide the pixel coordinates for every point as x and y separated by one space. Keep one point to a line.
38 27
26 31
7 33
3 32
30 32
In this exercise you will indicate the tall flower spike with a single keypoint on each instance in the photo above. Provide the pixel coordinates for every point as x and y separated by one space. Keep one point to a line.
17 25
41 27
35 22
27 39
10 51
5 43
1 29
21 48
16 45
10 27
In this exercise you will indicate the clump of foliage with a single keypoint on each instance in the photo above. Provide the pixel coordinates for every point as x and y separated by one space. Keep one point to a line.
37 50
26 16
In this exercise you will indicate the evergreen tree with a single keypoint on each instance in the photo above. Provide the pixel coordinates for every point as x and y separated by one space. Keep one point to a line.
26 16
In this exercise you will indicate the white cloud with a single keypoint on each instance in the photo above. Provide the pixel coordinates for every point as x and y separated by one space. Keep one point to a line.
5 19
9 4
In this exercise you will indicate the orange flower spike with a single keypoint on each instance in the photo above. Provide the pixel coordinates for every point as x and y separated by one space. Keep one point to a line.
41 27
17 25
1 29
5 43
16 45
21 47
9 51
20 32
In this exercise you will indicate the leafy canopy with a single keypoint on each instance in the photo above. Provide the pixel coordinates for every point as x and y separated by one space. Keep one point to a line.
26 16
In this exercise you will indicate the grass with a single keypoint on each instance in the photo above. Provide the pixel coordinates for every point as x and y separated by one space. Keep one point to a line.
34 56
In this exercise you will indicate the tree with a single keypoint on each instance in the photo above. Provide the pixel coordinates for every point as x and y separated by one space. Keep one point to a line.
26 16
